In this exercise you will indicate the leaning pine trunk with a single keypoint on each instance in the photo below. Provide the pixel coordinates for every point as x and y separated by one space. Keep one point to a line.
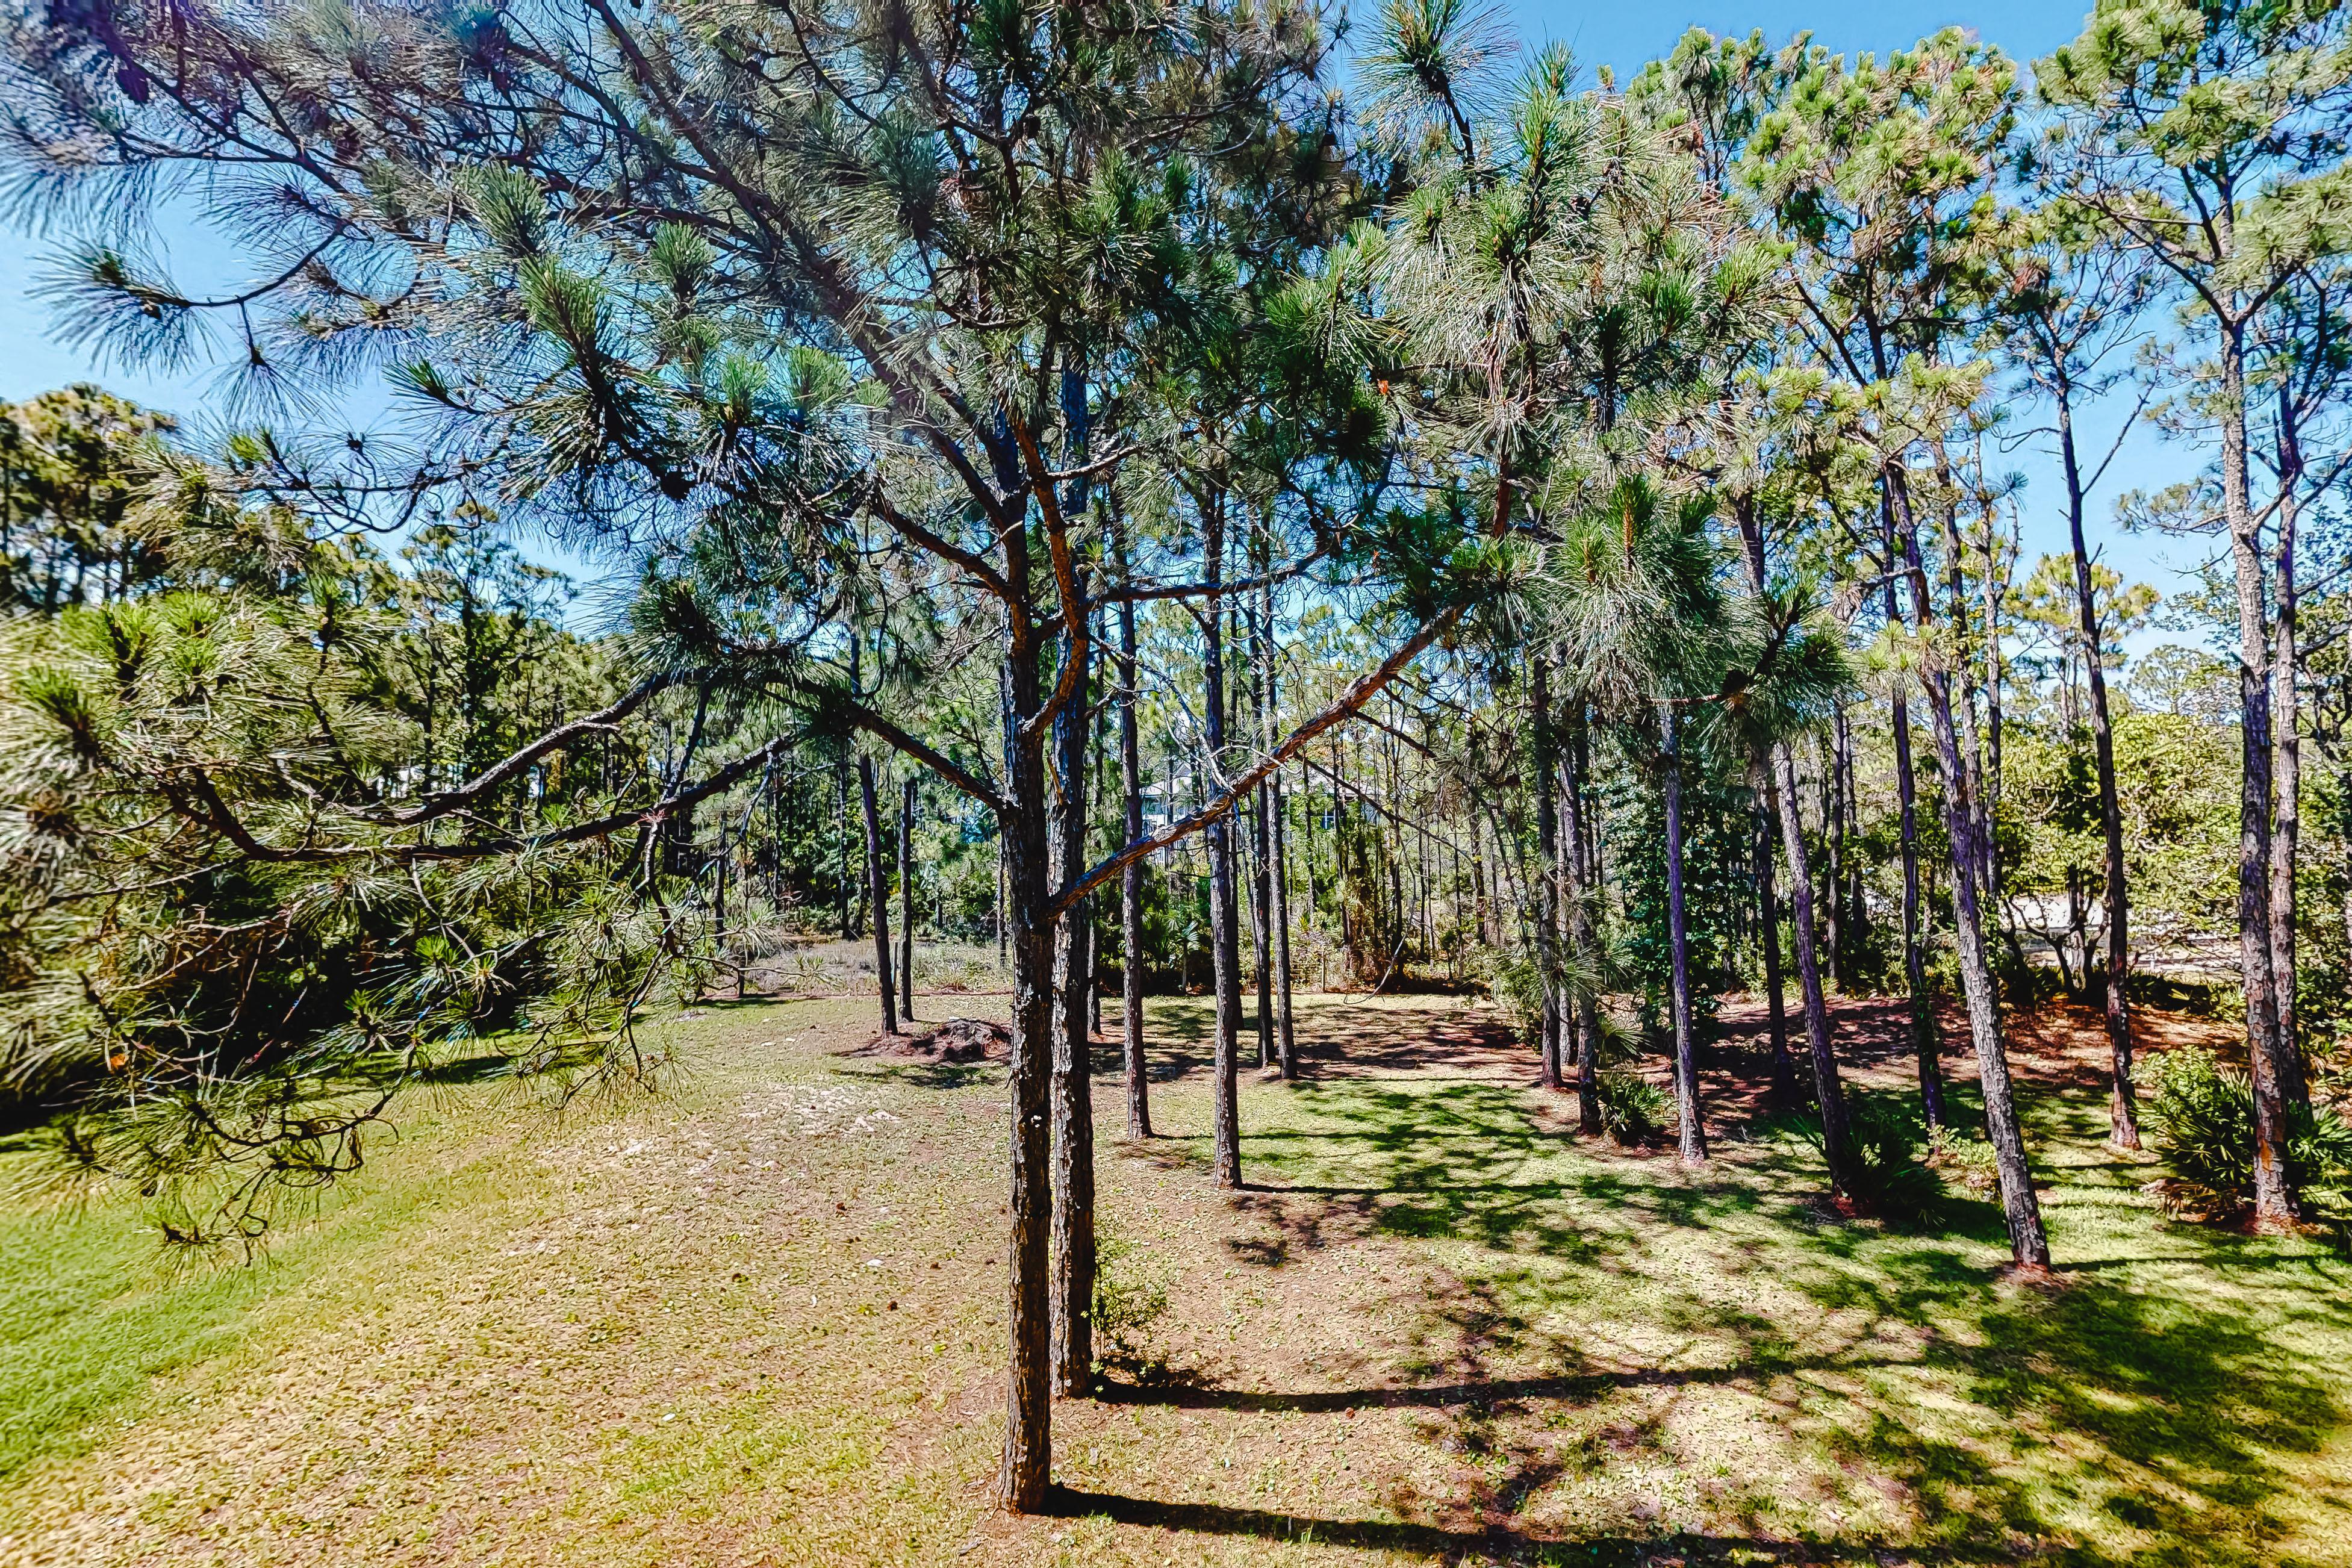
878 893
2027 1242
1925 1044
1837 1127
1692 1136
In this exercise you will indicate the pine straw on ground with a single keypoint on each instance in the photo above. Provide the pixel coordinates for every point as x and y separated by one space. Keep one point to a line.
759 1321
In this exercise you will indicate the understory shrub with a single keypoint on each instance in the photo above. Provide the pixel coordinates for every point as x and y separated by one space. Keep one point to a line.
1888 1179
1633 1109
1130 1298
1965 1162
2202 1114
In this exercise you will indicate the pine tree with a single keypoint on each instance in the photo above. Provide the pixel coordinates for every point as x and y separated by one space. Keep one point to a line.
2211 140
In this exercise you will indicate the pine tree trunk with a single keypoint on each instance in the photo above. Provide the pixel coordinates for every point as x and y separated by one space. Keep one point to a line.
2286 778
2275 1206
1846 877
1130 894
1285 1031
1285 1035
907 903
1261 922
1963 690
1544 765
1768 924
1024 1478
844 881
1224 935
1996 589
2123 1117
1837 1128
2029 1246
878 895
1927 1043
1584 941
1691 1134
1073 1096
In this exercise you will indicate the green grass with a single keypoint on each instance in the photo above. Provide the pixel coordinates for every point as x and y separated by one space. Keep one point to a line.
760 1320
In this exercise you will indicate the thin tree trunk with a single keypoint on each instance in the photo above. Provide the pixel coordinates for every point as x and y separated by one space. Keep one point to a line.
2275 1196
1543 762
1691 1135
2123 1118
1584 941
1073 1096
1964 705
878 895
1224 936
1285 1030
1996 594
1836 936
1837 1127
907 903
1285 1035
1261 859
2029 1246
2287 768
1846 877
1927 1045
1768 924
1130 886
844 881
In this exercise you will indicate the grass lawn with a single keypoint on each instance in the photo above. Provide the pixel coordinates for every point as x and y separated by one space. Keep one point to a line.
759 1321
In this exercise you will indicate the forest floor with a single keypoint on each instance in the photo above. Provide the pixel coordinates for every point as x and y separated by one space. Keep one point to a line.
757 1321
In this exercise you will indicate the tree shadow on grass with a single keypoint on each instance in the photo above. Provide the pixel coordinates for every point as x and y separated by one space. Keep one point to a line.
2115 1420
1486 1396
1465 1159
482 1067
1455 1545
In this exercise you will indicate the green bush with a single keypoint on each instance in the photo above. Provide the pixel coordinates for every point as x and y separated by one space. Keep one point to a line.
1888 1179
1515 980
1130 1298
1633 1109
2202 1114
1966 1162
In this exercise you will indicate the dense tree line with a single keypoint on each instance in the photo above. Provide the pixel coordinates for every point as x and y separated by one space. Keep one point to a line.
1074 478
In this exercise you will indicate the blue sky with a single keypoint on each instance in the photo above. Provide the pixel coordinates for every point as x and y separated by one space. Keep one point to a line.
1621 36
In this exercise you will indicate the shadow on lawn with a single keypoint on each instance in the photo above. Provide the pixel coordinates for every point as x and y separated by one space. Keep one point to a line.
1458 1545
2117 1420
2111 1421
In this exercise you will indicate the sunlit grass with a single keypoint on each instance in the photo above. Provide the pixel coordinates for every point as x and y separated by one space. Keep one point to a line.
761 1318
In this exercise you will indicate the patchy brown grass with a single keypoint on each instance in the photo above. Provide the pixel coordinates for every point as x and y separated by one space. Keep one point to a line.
759 1320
